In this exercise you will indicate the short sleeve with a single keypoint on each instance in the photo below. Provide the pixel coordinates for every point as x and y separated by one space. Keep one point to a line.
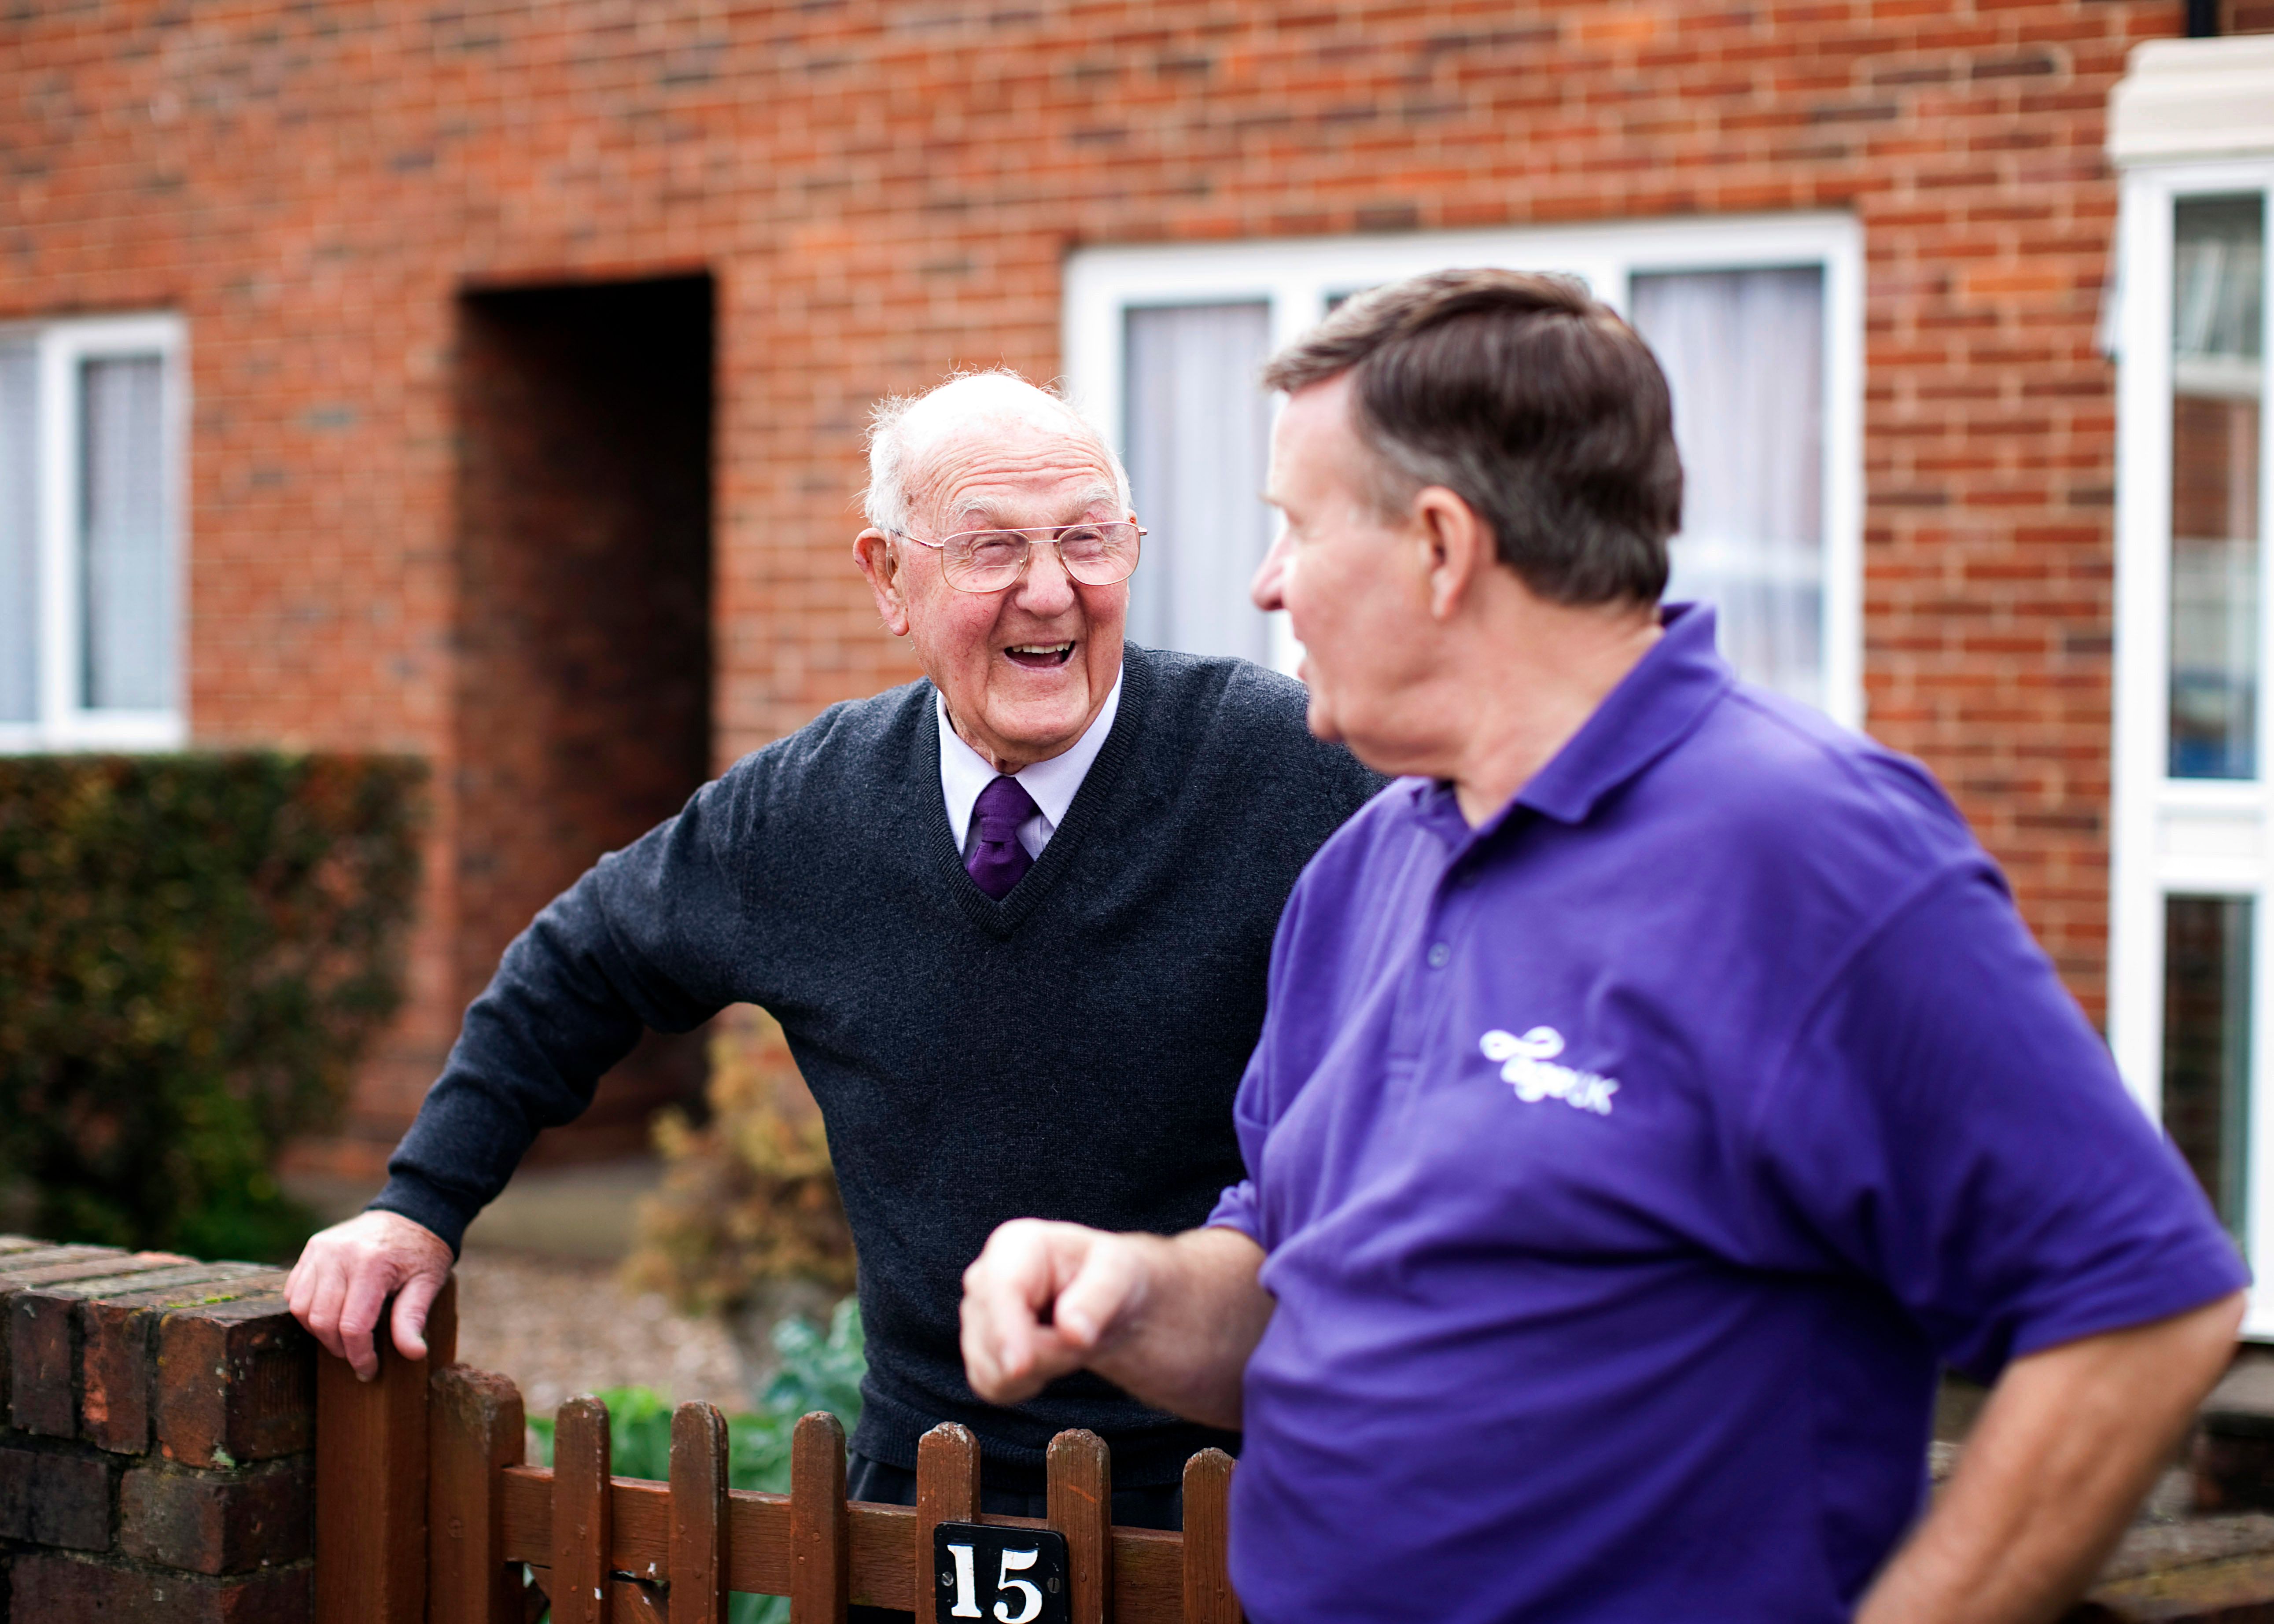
1949 1124
1236 1209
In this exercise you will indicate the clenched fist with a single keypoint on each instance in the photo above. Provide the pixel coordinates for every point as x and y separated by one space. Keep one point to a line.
1170 1319
1040 1302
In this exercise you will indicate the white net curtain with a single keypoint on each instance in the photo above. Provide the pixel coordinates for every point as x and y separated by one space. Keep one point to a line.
1743 354
1197 431
19 539
117 571
128 627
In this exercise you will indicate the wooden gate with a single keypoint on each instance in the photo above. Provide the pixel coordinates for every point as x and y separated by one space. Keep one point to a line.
427 1514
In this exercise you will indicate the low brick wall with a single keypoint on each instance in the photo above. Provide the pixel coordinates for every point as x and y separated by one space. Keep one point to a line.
157 1460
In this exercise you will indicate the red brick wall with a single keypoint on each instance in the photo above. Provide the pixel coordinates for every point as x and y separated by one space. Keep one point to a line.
885 191
155 1439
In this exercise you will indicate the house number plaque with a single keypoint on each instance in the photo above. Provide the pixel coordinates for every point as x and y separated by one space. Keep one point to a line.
1003 1575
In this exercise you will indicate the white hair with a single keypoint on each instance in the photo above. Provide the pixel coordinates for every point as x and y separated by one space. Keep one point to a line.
904 428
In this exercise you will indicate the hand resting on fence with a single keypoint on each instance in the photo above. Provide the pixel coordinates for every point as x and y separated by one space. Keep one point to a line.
1170 1319
345 1274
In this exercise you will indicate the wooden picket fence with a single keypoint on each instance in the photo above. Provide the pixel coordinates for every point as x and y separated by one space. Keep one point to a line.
426 1514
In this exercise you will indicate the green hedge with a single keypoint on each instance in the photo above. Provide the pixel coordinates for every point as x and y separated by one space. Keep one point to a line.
194 952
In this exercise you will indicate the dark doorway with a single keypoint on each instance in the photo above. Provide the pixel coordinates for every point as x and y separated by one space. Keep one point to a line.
584 617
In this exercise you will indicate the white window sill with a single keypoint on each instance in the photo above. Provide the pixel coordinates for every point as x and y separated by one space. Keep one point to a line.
95 733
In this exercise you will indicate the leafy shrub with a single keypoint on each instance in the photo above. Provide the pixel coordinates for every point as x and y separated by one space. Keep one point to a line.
194 952
748 1201
819 1371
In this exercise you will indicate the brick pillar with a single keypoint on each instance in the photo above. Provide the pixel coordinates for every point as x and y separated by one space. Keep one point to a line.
155 1461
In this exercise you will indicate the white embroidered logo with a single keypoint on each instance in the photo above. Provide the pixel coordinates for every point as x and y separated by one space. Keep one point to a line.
1528 1065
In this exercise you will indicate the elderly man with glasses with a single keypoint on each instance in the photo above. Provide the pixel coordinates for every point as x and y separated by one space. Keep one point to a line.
1014 918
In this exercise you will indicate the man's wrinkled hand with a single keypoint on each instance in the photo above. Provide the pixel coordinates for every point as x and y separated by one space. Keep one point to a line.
346 1274
1041 1300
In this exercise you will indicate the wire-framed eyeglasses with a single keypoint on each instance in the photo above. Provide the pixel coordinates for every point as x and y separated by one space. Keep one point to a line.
989 560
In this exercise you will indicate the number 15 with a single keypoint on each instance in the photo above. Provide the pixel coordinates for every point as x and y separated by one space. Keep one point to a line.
966 1604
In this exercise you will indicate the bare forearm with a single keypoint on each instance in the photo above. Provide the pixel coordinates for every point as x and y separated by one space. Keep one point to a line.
1185 1347
2070 1441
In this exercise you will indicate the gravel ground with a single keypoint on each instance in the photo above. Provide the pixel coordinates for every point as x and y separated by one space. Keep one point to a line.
562 1326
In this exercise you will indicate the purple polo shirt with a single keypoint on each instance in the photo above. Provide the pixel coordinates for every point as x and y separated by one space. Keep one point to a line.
1627 1166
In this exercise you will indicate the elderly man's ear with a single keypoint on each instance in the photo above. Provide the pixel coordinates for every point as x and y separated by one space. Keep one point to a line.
1456 547
872 550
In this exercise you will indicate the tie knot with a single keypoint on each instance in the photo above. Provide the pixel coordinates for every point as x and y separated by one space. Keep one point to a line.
1002 807
998 861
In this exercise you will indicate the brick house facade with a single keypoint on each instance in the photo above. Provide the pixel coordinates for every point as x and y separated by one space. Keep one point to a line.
421 508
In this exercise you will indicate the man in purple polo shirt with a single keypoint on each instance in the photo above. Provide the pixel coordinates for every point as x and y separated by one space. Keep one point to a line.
1658 1085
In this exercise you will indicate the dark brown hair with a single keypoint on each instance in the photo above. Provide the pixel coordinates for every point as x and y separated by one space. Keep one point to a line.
1530 400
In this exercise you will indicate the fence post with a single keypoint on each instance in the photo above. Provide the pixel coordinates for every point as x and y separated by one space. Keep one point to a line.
582 1528
948 1491
371 1478
1208 1598
1080 1479
820 1542
698 1515
474 1430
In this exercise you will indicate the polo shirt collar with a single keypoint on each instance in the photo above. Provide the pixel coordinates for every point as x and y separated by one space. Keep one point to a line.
1652 709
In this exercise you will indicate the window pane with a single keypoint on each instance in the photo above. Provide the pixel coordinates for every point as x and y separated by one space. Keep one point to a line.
2217 382
19 540
2207 1043
1198 433
1743 354
129 648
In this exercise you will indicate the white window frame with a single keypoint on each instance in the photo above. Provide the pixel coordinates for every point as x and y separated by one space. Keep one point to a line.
2180 837
61 348
1296 276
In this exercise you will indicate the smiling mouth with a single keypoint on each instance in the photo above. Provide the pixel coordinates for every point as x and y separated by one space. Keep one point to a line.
1039 656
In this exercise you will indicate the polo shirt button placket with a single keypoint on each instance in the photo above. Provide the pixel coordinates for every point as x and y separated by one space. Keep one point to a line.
1440 955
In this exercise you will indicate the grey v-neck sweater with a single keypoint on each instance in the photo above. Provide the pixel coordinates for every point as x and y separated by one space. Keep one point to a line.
1069 1052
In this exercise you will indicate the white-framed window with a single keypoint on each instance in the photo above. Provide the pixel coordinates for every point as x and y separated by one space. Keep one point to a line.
1757 320
92 534
2192 825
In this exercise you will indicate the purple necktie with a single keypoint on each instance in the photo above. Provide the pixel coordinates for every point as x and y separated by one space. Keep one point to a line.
998 861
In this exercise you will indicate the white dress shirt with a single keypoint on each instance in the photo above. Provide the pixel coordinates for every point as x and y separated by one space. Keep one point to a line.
964 773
